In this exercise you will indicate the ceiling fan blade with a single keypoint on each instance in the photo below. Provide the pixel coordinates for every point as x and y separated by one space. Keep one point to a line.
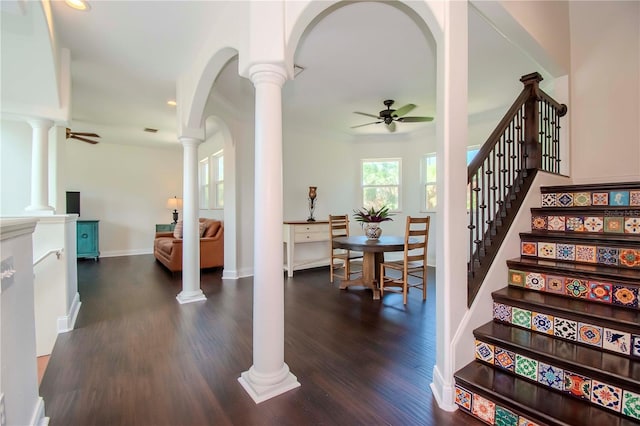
360 125
414 119
80 138
85 134
364 113
403 110
391 126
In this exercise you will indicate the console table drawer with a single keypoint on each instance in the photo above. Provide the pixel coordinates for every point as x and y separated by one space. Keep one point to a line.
302 237
314 228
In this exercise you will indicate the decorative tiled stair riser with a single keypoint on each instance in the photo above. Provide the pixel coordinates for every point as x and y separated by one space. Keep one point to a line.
612 224
597 392
599 254
596 290
587 333
487 410
580 386
592 198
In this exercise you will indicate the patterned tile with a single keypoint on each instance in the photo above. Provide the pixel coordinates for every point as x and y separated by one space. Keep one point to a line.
565 328
551 376
565 251
616 341
564 199
526 367
517 278
528 249
547 250
634 198
505 417
548 200
523 421
614 224
577 385
535 281
521 317
502 312
586 254
505 359
625 296
484 351
555 284
607 255
600 292
635 345
619 198
576 288
632 225
630 258
606 395
542 323
581 199
575 224
590 334
593 224
631 404
539 223
483 409
463 398
555 223
600 198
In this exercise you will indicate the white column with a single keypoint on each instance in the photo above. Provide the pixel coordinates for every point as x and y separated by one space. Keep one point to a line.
191 291
40 167
269 375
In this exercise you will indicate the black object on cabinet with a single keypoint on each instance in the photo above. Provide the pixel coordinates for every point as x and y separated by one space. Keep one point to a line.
73 202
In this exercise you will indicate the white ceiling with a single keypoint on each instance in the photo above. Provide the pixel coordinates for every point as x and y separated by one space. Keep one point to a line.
127 55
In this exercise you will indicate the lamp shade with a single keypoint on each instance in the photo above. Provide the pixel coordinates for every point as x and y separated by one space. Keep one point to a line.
174 203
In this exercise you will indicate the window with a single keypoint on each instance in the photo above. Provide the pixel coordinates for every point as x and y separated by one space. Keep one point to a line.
218 179
381 183
429 179
203 177
211 178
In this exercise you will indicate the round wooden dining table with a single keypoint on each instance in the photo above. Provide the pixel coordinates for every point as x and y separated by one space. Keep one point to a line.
373 255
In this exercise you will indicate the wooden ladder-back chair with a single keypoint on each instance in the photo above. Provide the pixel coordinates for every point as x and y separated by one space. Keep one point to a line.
339 227
414 264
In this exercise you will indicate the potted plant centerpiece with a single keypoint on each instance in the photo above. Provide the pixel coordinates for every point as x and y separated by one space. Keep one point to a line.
371 218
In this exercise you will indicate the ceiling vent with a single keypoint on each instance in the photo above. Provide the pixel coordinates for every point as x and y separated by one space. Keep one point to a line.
149 130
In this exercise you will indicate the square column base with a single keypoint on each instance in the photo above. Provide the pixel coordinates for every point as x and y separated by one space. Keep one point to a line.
188 297
260 393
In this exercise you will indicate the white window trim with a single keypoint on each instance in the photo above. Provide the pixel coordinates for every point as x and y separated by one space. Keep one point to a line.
211 185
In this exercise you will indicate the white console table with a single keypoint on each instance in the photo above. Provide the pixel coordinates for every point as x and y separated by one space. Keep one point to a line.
300 232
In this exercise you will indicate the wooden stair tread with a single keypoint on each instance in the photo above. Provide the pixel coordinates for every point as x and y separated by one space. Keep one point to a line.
592 270
590 187
605 366
609 211
532 401
612 316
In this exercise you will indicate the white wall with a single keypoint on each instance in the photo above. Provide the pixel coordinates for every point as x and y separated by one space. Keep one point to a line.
126 188
604 105
15 167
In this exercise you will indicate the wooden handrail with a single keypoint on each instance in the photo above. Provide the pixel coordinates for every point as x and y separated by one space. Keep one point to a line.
524 141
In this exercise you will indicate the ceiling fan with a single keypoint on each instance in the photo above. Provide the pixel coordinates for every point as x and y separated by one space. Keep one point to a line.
82 136
390 116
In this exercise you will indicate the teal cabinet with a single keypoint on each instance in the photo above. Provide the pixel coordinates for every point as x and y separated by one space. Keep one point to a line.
87 239
165 227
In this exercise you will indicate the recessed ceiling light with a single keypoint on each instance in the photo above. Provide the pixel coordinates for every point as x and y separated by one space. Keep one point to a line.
78 5
172 103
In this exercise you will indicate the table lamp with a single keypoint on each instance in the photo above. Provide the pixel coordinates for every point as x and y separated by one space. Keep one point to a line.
174 204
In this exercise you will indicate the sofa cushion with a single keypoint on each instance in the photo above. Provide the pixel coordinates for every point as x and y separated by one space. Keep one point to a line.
178 230
212 227
165 245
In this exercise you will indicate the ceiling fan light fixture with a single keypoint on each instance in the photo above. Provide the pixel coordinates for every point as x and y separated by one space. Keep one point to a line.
80 5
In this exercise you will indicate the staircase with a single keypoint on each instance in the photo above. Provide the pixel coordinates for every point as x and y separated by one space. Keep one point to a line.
564 344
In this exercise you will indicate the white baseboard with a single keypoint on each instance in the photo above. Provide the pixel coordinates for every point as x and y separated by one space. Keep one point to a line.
38 418
67 322
118 253
442 391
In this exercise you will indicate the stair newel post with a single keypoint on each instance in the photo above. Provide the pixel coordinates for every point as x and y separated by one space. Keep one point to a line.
532 149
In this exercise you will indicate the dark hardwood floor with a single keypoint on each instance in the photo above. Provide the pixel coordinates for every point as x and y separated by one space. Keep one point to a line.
137 357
